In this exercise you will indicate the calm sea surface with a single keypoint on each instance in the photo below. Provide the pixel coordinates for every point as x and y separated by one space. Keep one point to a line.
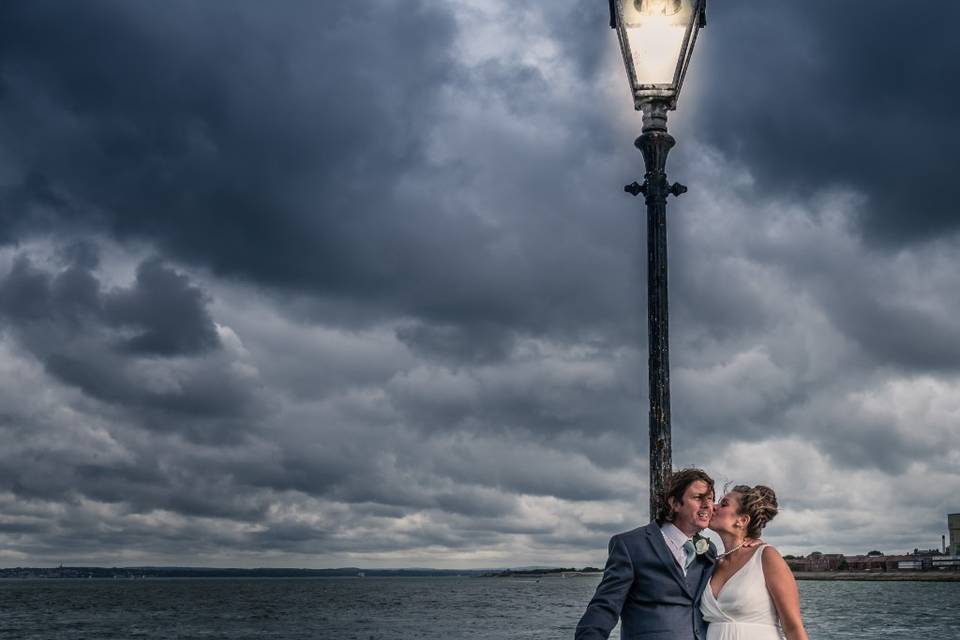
414 609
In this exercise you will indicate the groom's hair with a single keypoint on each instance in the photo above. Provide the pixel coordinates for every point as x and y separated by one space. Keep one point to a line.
675 487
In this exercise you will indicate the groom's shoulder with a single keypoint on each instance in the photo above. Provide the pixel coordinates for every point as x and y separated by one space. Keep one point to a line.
637 533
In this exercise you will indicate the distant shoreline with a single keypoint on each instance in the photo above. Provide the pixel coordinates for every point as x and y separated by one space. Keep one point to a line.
880 576
541 574
135 573
128 573
828 576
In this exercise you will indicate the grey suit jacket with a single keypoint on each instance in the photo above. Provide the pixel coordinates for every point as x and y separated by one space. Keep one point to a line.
644 587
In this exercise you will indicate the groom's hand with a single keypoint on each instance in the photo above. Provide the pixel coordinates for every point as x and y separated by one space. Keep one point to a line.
750 544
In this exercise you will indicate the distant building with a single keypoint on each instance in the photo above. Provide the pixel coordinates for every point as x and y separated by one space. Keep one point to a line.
875 561
870 563
817 561
953 522
946 562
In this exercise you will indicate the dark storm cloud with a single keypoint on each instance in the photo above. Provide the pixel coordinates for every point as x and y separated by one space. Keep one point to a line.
897 333
457 344
864 98
136 487
260 141
170 309
162 312
296 147
151 347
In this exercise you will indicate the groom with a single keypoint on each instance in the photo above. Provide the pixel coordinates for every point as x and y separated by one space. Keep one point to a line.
655 574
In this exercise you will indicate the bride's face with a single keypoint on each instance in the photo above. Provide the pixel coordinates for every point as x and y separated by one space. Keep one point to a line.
725 518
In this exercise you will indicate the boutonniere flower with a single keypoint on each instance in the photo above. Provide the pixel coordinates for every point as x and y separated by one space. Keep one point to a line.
701 544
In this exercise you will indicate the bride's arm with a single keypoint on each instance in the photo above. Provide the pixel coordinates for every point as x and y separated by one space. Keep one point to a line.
783 590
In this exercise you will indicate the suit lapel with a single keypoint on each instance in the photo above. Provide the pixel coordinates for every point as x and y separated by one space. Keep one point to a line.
663 552
710 558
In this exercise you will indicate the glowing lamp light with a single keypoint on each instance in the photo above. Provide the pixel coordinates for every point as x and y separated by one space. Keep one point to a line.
656 39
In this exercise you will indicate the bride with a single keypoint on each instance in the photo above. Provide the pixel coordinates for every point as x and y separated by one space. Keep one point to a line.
752 594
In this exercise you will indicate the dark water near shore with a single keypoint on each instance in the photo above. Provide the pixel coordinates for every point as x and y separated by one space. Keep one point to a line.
414 609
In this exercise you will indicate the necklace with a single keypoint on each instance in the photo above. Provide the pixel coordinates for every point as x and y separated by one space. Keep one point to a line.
726 553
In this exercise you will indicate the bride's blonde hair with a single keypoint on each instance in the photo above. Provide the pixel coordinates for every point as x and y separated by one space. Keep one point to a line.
759 503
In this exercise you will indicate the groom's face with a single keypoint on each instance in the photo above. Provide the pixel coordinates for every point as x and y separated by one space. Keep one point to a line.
693 514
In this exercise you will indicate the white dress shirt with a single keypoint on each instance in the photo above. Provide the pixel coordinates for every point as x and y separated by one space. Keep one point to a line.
675 540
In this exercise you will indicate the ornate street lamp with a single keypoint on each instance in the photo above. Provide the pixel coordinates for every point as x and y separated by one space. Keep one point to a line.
657 38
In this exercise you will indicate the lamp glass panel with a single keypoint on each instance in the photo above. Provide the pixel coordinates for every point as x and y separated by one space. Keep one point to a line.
655 30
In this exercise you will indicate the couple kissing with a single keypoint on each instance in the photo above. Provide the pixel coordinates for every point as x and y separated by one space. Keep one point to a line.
665 581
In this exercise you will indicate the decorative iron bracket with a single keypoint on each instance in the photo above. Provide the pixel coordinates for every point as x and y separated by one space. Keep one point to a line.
635 188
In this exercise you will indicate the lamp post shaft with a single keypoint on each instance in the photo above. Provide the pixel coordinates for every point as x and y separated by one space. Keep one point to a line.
655 143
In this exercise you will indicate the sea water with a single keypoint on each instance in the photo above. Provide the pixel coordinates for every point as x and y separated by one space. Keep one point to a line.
414 608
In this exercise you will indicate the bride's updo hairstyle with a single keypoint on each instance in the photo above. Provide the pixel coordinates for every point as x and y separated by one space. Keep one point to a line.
760 503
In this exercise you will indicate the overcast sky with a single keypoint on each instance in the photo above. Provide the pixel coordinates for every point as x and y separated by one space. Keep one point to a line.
344 283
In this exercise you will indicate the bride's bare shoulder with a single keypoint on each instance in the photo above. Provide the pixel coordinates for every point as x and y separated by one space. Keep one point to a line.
773 562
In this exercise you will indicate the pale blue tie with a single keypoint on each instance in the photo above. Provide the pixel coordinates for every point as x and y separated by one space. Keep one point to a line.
691 553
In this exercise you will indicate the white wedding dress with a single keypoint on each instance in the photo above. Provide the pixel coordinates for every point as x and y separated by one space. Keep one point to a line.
743 610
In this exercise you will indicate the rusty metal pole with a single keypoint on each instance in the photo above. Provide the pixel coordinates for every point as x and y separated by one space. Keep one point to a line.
655 143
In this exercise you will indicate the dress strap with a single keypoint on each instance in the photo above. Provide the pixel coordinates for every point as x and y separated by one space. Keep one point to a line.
759 552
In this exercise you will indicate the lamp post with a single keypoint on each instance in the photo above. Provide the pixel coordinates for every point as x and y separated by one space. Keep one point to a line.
657 39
